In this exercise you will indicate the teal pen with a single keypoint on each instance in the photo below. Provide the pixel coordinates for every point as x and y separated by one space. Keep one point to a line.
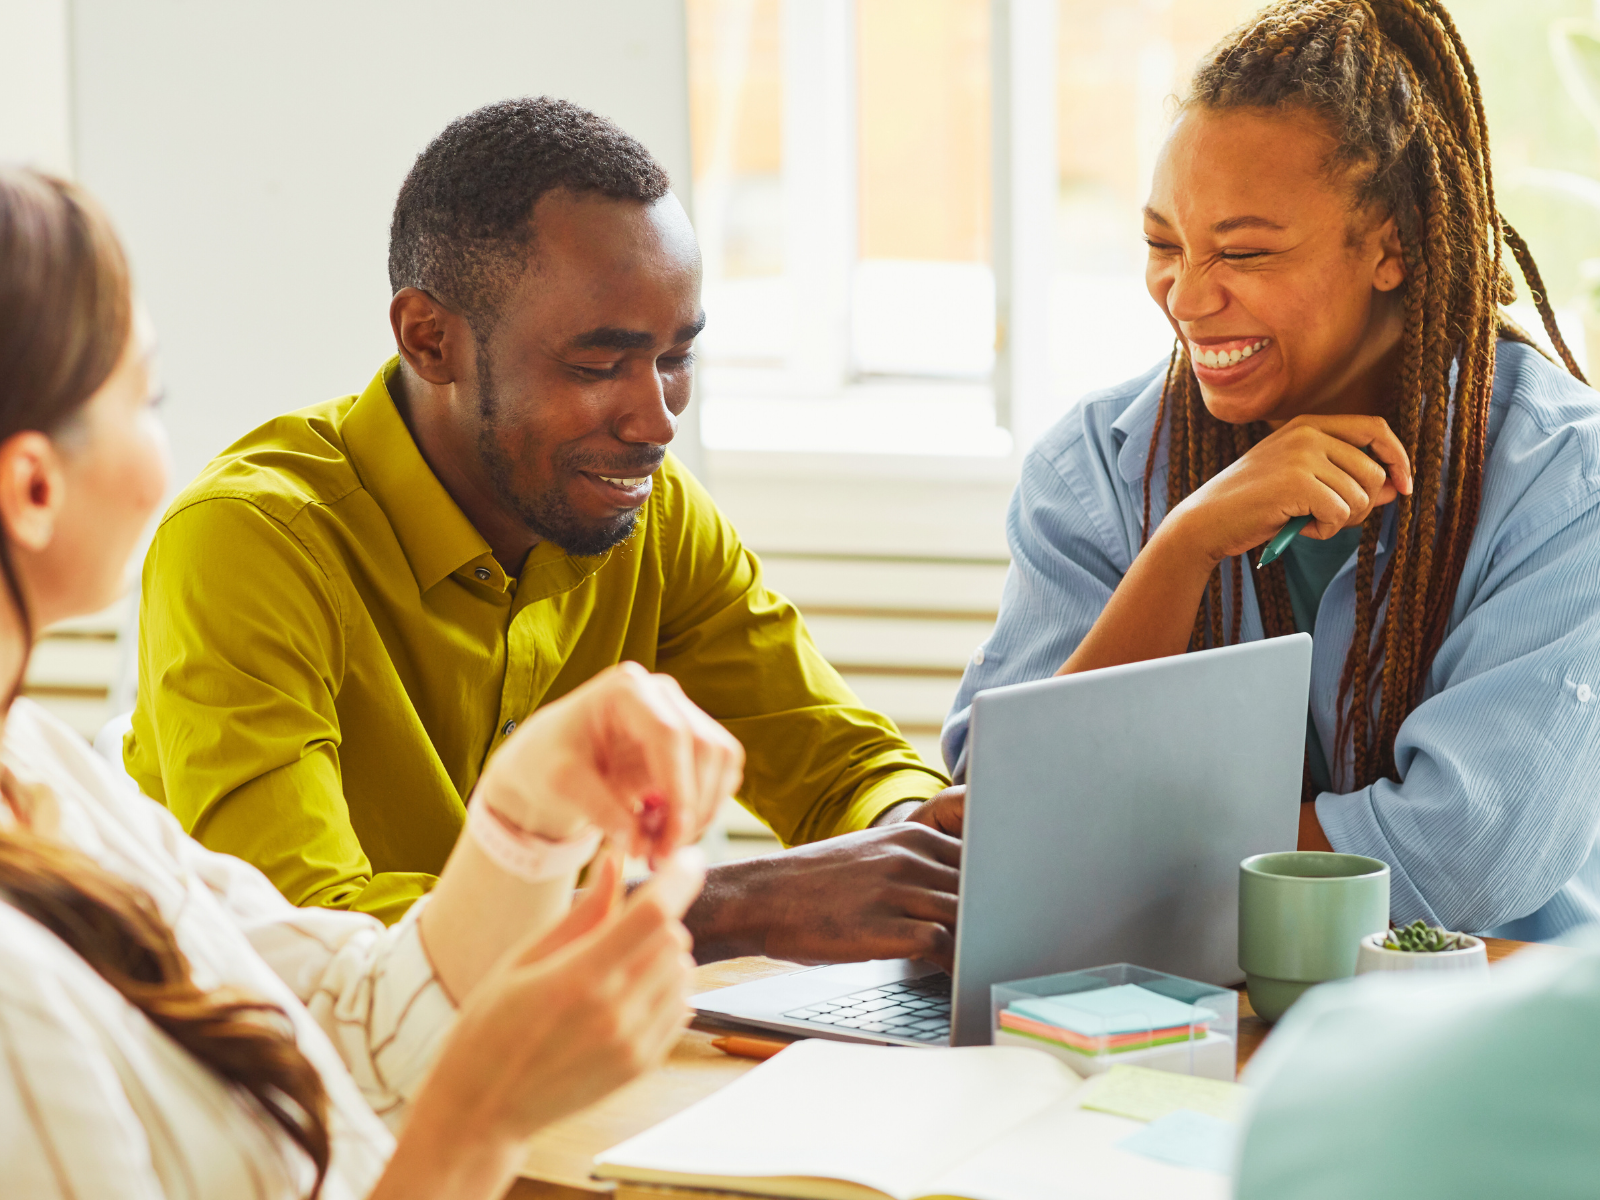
1280 540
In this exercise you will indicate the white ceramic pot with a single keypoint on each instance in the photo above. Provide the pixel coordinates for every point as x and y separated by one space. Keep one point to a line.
1472 959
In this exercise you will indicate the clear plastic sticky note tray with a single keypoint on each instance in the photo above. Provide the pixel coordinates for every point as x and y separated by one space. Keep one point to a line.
1121 1014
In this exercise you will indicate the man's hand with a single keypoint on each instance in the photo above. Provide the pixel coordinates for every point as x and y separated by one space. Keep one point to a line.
944 812
888 892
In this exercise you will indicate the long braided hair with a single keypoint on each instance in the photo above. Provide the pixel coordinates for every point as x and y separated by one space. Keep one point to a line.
65 317
1398 92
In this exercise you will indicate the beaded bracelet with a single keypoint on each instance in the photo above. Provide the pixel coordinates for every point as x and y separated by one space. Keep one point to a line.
528 856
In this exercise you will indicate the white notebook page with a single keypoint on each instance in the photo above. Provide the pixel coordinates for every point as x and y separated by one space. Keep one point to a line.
887 1118
1069 1153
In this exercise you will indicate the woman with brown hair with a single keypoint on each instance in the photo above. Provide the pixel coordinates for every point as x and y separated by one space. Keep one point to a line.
1325 242
169 1024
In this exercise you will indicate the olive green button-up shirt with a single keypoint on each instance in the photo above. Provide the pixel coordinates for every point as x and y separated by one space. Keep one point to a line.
329 652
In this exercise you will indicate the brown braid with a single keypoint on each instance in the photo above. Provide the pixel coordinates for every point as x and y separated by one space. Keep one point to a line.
1398 90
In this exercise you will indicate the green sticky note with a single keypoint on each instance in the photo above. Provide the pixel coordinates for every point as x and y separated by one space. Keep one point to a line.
1146 1095
1111 1010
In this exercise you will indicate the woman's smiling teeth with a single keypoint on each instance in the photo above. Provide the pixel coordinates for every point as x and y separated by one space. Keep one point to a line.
1216 357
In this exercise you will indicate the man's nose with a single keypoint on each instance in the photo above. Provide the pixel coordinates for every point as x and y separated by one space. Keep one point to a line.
646 416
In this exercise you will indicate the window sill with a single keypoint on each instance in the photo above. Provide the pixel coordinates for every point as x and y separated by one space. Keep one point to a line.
899 428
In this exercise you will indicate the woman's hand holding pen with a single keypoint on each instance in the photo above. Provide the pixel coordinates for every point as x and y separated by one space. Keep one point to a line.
1337 469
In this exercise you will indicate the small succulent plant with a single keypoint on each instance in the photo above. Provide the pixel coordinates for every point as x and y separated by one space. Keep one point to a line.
1421 938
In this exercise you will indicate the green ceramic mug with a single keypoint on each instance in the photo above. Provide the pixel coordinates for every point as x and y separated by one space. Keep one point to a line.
1302 915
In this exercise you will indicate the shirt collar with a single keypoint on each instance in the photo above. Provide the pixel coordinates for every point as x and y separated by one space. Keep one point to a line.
435 535
1133 427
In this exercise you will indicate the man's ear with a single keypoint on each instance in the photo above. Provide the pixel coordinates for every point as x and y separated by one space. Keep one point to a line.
434 341
1390 270
33 488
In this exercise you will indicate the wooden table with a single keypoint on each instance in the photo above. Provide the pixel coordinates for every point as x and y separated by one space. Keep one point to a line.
557 1166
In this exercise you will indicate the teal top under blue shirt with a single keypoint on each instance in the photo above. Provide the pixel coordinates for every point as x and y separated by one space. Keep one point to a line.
1309 565
1492 825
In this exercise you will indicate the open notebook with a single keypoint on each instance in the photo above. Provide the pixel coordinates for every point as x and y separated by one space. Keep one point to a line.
830 1121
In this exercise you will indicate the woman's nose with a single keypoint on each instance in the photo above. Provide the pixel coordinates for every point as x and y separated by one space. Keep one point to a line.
1194 294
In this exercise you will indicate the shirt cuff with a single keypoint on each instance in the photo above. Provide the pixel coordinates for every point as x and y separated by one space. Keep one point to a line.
872 802
1352 826
410 1017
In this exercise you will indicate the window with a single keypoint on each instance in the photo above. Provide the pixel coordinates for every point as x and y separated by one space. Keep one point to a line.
921 217
1119 67
843 198
1539 65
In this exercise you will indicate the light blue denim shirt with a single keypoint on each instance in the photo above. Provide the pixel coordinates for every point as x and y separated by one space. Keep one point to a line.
1493 825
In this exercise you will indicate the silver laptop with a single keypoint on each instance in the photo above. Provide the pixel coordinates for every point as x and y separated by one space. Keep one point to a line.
1106 816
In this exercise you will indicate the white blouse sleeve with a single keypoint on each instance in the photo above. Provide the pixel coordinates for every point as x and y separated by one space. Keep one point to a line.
372 989
67 1127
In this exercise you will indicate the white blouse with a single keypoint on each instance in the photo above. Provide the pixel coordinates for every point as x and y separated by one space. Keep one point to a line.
95 1101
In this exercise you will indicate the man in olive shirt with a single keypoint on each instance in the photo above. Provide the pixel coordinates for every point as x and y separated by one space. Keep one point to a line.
352 606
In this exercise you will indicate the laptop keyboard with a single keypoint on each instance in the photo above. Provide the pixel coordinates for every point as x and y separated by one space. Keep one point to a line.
914 1008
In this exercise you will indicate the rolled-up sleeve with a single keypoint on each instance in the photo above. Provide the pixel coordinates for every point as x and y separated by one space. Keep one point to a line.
372 989
1499 800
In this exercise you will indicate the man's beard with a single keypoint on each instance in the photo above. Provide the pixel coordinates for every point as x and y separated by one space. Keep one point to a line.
548 513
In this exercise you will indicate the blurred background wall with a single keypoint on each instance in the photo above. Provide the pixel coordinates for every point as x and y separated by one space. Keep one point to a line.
250 154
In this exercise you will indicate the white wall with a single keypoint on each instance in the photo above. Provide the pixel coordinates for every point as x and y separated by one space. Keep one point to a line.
250 155
35 120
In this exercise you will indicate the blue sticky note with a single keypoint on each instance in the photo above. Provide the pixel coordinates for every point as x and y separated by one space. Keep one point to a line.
1185 1138
1127 1008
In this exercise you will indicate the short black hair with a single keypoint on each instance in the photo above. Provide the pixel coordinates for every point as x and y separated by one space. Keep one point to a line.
462 223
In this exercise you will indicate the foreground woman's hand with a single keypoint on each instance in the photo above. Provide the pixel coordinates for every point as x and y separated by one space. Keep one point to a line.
559 1022
627 753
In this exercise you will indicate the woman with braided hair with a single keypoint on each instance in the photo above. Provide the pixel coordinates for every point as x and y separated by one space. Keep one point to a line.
1325 242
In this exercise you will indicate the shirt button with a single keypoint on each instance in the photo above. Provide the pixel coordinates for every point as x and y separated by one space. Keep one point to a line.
1584 694
510 728
977 657
483 573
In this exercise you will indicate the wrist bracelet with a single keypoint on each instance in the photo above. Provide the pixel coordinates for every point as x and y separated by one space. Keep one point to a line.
528 856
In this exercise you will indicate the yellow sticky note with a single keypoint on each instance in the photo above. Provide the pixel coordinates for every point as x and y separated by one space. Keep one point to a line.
1145 1095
